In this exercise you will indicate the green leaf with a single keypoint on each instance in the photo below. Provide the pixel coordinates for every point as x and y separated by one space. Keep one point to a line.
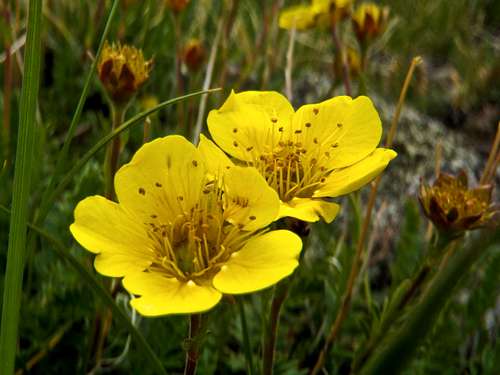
26 143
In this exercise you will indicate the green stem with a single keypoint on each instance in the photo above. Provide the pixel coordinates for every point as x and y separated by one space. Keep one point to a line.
279 296
192 352
100 291
113 152
343 60
403 344
26 143
246 337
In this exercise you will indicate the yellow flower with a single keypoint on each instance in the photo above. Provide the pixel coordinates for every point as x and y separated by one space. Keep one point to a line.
369 20
323 150
454 208
330 12
300 17
122 70
186 229
353 62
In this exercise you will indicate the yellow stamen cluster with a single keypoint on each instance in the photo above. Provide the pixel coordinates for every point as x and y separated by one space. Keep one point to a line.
295 164
196 244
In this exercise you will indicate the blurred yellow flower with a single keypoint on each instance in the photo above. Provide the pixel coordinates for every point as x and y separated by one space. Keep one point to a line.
186 229
369 21
353 62
320 151
454 208
300 17
122 71
331 12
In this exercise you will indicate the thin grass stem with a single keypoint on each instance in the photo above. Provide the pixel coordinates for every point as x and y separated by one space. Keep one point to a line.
489 168
289 64
246 336
346 298
207 81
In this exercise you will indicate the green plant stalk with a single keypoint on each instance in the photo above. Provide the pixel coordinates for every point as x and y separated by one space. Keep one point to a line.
246 337
113 151
7 89
343 59
26 143
193 342
64 182
402 346
62 157
437 249
279 296
99 290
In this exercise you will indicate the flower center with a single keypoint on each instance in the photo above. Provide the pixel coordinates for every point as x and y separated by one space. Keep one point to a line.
195 244
297 164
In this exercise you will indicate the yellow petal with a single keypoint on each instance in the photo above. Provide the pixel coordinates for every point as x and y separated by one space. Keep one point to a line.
216 161
346 180
262 262
346 130
118 264
101 226
310 210
161 295
300 17
248 122
164 179
249 199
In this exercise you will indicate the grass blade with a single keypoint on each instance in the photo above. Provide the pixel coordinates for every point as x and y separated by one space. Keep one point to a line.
101 292
402 346
62 157
26 142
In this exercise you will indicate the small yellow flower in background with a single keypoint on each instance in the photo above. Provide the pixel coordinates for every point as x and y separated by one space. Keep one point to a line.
177 6
300 17
353 62
331 12
369 21
193 54
454 208
320 151
186 229
122 71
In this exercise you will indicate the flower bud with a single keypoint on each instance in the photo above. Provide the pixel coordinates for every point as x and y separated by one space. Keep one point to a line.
369 21
122 70
193 54
454 208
